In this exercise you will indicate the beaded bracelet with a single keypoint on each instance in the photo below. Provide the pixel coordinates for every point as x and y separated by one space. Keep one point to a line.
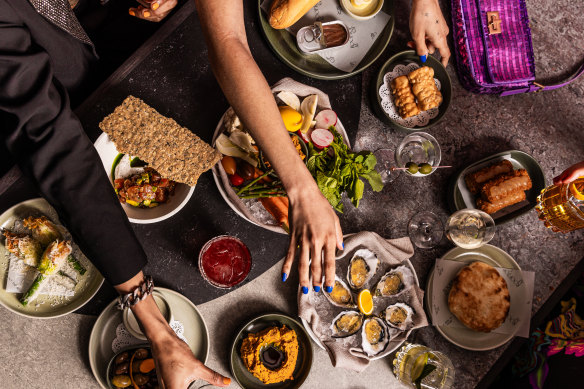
140 293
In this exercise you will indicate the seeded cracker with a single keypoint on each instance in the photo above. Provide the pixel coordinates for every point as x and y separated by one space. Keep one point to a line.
174 151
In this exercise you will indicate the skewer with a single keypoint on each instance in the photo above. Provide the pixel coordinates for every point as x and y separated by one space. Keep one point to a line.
405 168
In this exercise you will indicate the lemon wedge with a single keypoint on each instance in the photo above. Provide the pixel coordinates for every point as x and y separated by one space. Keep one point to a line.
578 193
365 302
292 119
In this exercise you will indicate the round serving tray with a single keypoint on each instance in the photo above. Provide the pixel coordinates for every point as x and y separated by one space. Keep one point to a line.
283 43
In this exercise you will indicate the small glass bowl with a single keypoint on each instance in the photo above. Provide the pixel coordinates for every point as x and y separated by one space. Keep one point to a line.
207 246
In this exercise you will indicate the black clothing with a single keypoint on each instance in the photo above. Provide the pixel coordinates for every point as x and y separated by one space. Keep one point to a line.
39 65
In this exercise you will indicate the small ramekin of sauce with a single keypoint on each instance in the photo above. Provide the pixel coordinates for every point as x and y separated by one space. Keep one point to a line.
224 261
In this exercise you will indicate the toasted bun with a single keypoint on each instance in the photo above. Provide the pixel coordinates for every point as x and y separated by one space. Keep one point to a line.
479 297
284 13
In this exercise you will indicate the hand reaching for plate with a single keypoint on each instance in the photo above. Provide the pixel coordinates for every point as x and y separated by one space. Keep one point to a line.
178 367
570 174
315 228
153 10
429 30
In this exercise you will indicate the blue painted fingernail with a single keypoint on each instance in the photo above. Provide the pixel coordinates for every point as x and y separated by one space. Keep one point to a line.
343 244
284 277
317 289
328 289
423 58
304 290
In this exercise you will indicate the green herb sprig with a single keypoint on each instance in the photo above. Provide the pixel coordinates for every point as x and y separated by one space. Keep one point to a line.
337 169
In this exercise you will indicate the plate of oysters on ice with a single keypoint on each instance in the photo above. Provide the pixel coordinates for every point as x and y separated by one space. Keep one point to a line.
373 307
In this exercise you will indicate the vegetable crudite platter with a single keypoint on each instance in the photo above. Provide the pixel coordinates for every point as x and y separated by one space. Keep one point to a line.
253 190
42 271
153 170
293 41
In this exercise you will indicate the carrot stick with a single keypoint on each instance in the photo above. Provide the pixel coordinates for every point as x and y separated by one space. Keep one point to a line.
278 208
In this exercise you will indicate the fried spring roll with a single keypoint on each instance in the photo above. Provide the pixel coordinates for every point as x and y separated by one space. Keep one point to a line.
475 180
506 184
403 97
497 205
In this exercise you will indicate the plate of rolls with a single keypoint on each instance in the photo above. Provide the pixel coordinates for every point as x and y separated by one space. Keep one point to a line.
504 185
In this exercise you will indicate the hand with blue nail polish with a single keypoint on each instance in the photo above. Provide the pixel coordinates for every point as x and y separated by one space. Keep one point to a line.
429 30
315 235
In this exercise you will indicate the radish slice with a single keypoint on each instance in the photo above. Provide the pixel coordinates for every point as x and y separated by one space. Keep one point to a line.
322 138
304 136
326 118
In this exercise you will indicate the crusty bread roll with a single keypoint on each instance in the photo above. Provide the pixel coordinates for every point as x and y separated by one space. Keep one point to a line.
284 13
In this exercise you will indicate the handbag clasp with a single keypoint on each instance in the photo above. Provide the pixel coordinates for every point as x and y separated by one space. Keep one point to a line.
494 22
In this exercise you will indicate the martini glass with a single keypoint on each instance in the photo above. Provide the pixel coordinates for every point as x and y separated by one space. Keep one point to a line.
386 165
425 230
419 148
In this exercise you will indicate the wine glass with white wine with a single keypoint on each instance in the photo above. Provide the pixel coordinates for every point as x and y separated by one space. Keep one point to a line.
470 228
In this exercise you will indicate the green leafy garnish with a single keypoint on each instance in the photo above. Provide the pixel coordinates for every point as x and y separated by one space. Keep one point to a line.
427 370
337 169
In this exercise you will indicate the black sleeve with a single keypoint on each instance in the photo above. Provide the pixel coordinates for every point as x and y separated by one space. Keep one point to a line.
47 141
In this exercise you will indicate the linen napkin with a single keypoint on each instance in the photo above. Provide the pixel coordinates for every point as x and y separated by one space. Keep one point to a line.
319 312
253 209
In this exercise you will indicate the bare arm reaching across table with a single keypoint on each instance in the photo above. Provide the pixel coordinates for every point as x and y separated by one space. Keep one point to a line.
314 224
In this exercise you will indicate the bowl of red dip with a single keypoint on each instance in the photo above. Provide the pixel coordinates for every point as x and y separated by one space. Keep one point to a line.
224 261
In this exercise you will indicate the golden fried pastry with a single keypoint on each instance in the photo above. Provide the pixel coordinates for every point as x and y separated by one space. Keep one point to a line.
424 88
497 205
475 180
404 99
505 185
479 297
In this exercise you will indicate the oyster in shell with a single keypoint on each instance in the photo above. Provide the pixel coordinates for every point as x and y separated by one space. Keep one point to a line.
341 295
395 281
346 324
399 316
375 336
361 268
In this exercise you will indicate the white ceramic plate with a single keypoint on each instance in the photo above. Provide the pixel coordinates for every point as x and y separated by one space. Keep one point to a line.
44 307
182 193
318 341
465 337
104 332
219 129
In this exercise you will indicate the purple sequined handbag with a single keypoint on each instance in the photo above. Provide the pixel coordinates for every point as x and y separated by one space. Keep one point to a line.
492 41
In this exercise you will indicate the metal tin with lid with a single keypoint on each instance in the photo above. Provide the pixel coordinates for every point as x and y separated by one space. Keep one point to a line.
319 36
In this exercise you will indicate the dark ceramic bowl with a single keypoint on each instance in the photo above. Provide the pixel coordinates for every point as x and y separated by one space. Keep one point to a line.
129 350
303 364
404 58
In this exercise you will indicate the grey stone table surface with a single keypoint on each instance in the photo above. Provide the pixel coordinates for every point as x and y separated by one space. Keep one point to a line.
548 125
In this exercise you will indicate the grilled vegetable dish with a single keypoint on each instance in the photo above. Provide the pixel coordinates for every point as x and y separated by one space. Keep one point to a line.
145 190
